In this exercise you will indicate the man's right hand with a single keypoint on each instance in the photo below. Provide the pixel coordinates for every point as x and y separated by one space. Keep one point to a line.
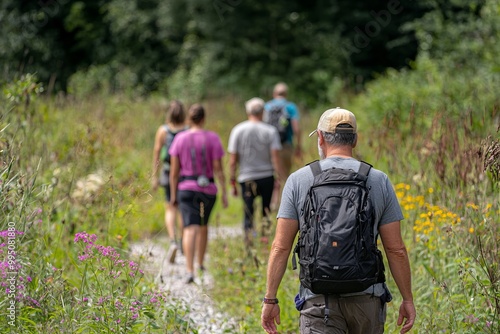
406 311
234 187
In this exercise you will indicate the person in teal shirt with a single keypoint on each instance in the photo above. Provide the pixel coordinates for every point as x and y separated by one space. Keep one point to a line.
291 146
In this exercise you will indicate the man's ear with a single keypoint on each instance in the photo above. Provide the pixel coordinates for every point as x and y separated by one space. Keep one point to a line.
321 139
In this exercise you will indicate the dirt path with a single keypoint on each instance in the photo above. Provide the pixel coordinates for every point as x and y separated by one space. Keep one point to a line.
203 315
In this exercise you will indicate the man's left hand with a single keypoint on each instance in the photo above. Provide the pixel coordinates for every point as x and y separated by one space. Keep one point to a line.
270 317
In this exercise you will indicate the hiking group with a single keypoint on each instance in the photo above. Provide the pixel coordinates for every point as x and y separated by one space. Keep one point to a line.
338 206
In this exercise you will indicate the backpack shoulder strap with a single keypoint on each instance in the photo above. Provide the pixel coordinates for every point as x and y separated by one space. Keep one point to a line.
315 168
364 169
167 132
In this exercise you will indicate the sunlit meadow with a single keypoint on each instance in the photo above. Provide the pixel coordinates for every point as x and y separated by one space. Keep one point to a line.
75 192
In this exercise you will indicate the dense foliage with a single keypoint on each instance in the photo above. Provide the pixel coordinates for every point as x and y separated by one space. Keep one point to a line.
122 45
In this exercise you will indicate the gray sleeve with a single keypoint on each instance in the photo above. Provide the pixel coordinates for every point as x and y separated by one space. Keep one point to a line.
294 193
276 142
391 210
289 201
232 146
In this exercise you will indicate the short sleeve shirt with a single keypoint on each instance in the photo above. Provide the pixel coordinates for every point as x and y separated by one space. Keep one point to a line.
384 200
207 147
253 143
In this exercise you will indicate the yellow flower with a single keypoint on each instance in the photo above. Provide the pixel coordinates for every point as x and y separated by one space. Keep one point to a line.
471 230
431 190
400 186
472 205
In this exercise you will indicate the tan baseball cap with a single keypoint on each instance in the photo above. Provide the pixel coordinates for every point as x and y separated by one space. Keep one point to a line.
336 120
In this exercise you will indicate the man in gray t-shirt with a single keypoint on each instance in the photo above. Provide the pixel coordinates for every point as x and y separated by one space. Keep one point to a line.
254 147
355 313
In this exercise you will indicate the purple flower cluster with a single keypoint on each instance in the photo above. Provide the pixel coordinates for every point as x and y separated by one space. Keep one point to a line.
157 298
92 251
85 238
121 305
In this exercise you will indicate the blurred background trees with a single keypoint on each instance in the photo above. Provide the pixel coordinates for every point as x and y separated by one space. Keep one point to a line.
318 47
175 46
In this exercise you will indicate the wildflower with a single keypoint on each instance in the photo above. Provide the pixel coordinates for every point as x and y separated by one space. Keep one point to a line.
471 230
85 238
33 302
400 186
471 319
116 274
5 234
83 257
108 251
472 206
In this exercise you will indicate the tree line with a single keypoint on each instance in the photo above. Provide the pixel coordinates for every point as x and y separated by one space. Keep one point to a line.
146 45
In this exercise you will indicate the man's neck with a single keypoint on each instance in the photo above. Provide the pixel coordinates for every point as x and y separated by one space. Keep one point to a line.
341 152
255 118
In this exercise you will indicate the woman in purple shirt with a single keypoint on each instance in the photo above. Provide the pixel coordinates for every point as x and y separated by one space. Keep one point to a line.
196 157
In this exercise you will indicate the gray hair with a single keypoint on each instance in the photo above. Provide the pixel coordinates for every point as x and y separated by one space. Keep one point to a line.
339 139
254 106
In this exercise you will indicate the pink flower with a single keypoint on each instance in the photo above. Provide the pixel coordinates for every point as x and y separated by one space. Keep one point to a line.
5 234
85 237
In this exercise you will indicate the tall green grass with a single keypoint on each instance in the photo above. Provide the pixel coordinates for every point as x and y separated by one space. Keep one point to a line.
72 168
83 165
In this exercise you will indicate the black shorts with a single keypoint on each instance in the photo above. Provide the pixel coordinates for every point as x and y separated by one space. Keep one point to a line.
167 192
192 210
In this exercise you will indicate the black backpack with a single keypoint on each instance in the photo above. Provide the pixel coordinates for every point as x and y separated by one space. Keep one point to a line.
337 244
278 117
